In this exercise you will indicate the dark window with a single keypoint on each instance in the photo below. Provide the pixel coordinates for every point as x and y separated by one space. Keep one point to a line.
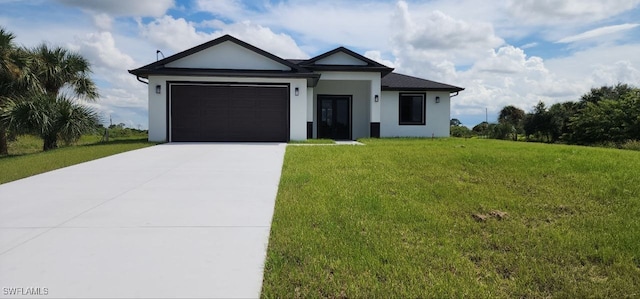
412 109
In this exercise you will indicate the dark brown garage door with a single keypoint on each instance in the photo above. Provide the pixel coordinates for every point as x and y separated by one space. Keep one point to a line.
229 113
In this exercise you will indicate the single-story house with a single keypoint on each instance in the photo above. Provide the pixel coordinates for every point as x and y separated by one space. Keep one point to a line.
229 90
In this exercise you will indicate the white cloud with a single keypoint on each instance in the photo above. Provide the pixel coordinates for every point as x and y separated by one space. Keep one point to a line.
600 65
436 37
598 32
316 23
437 31
102 21
547 12
377 57
103 11
101 50
507 76
174 34
432 44
142 8
179 35
225 8
621 71
121 95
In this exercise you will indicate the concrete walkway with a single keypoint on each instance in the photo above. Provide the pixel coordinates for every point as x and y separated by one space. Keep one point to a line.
169 221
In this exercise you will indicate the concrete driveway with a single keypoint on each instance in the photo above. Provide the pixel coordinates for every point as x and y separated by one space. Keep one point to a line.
173 220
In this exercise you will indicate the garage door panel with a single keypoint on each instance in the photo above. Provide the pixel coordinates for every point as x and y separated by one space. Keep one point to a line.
229 113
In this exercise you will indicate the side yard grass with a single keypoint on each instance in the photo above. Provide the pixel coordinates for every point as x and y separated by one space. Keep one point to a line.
416 218
29 159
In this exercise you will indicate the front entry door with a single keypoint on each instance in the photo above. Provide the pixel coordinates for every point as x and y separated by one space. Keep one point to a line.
334 117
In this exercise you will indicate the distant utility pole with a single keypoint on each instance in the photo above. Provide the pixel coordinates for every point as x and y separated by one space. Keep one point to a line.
110 121
486 115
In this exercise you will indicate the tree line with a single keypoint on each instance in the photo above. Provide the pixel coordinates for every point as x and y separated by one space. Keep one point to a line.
608 115
42 90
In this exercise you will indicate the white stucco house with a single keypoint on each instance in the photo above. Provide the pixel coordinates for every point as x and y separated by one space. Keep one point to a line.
228 90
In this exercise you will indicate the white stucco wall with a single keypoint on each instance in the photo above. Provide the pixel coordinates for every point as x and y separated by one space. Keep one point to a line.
341 58
436 117
228 55
158 103
310 100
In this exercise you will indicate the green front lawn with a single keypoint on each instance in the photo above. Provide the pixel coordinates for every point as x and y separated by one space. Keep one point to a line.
26 158
413 218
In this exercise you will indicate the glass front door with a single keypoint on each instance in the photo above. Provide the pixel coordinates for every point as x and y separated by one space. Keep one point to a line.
334 117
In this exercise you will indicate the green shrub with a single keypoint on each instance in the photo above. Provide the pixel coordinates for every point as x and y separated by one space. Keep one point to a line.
633 145
460 131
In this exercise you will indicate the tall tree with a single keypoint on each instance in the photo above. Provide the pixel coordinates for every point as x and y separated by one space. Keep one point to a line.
608 120
560 115
7 70
605 93
512 116
538 124
42 107
14 77
55 69
481 128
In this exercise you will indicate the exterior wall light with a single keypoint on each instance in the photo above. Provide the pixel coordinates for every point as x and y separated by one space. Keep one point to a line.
437 99
376 98
297 91
158 89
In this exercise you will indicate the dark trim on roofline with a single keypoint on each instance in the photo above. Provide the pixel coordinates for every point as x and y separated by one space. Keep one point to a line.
371 64
217 41
386 88
355 55
350 68
312 79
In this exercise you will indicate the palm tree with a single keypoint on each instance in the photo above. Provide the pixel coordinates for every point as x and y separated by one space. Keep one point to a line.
42 108
10 72
57 67
50 119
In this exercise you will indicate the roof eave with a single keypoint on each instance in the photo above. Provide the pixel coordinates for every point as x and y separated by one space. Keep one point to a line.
350 68
312 78
454 89
162 62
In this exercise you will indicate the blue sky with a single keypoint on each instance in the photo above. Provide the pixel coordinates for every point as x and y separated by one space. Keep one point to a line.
514 52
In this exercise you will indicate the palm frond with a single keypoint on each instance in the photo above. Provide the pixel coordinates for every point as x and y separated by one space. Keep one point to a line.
74 119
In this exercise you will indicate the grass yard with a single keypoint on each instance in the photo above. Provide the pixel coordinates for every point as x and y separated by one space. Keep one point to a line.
26 158
414 218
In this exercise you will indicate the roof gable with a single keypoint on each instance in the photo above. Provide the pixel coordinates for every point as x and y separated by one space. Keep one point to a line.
342 56
228 55
223 53
343 59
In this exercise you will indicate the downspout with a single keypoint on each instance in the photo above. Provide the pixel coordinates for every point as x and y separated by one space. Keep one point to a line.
145 82
455 95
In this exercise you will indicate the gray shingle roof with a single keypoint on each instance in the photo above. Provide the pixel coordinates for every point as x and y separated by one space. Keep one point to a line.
395 81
